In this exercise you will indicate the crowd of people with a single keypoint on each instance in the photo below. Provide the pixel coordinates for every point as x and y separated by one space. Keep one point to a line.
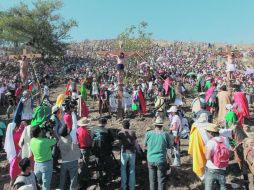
45 136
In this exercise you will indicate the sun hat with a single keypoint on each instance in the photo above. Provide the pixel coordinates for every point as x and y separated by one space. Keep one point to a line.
26 187
158 121
83 122
201 93
55 108
8 94
172 109
229 106
211 127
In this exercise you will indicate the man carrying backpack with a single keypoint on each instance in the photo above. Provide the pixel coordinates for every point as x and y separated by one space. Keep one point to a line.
217 155
102 147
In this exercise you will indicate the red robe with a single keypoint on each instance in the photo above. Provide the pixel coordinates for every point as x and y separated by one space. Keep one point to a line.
142 101
242 102
67 89
67 92
239 115
84 111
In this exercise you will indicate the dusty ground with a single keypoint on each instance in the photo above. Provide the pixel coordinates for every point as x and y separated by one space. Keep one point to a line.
181 178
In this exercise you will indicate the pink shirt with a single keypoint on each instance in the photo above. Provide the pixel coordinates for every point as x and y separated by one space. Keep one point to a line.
83 137
68 120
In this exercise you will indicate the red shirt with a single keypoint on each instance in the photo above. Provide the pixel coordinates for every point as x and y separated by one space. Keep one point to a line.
83 137
68 120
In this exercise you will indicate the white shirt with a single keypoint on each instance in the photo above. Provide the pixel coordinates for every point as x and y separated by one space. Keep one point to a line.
176 119
211 145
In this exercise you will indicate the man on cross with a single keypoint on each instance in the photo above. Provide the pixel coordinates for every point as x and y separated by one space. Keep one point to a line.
23 63
120 64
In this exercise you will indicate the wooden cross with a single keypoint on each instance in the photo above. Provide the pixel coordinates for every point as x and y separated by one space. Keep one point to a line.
120 84
24 53
127 53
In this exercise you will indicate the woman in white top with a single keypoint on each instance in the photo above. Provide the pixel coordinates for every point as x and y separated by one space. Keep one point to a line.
175 127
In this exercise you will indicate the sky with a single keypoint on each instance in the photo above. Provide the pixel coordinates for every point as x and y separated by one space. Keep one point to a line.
224 21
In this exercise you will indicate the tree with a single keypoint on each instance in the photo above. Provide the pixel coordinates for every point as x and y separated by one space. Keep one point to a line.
39 27
135 38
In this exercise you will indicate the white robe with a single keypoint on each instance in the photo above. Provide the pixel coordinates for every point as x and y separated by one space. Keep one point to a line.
74 128
126 101
112 102
9 146
25 140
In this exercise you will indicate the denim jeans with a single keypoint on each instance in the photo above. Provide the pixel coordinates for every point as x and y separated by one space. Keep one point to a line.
85 175
176 151
157 175
72 169
44 171
128 158
212 175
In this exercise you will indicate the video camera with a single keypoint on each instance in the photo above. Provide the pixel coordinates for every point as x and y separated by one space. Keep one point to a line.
49 123
70 103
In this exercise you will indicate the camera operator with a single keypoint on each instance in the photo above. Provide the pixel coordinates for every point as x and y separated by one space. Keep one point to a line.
70 117
102 148
41 148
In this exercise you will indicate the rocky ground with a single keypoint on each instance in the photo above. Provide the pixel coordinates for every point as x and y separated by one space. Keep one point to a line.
181 178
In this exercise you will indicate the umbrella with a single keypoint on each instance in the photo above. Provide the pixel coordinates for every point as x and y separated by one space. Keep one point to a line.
191 74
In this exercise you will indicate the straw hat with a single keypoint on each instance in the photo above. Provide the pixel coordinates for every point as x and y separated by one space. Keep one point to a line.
229 106
211 127
26 187
201 93
158 121
172 109
55 109
83 122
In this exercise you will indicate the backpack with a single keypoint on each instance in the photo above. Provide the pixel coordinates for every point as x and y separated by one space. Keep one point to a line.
221 154
185 131
98 141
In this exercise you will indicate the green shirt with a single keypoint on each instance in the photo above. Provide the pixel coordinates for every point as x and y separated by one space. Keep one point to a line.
207 85
83 92
41 149
230 118
157 144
